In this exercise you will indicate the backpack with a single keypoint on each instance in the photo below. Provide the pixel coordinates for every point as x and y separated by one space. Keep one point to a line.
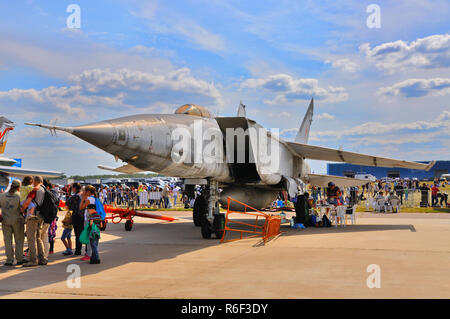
99 208
49 207
67 221
74 205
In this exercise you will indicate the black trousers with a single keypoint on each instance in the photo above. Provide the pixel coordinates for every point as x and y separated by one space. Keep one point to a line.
434 200
78 226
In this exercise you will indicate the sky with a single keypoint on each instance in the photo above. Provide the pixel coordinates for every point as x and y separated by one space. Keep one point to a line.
380 77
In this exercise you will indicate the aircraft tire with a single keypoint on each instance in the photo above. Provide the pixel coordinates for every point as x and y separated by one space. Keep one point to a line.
128 225
199 210
219 225
205 228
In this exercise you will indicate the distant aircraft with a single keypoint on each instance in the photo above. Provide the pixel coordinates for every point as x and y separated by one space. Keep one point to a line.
6 164
367 177
240 163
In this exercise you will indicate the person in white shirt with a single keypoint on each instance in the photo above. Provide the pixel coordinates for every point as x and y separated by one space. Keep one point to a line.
175 195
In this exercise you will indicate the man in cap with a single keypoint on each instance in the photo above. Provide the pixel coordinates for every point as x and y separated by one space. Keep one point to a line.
36 228
13 224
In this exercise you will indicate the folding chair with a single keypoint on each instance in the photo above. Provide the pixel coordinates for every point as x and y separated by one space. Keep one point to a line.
381 205
340 212
395 203
351 211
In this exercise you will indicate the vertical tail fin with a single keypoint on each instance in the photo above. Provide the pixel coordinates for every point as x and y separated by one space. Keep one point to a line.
241 110
303 132
5 126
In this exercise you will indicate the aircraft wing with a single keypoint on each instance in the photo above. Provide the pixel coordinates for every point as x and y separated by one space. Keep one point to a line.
333 155
22 172
323 180
126 169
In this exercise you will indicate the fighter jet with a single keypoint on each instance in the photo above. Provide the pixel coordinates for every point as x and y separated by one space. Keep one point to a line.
7 165
235 154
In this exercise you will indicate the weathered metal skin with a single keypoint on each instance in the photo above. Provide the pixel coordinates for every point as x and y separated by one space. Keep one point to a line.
274 160
148 143
145 141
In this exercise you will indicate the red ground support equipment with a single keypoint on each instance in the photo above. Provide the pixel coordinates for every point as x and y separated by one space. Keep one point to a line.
265 226
118 214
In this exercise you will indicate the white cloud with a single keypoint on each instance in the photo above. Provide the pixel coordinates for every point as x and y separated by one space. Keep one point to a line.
97 89
198 35
417 88
416 138
344 64
390 139
424 53
399 133
166 21
288 89
326 116
67 59
180 80
377 128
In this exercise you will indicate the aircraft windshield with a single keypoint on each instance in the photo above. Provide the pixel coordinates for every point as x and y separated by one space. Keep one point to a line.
193 109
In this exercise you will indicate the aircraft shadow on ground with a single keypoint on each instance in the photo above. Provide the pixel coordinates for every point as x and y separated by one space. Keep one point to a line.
347 229
143 244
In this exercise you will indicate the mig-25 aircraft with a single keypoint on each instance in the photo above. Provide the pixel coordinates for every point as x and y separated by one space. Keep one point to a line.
248 162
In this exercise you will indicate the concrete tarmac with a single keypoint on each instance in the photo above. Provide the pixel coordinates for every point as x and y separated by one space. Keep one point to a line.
170 260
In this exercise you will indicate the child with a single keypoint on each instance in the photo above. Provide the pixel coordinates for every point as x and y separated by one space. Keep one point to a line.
52 235
27 194
28 206
94 218
67 233
27 187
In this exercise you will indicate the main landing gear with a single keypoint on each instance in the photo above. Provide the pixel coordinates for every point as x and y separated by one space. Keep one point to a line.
206 212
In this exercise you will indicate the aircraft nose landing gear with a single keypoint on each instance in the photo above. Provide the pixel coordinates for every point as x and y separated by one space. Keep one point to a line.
211 221
216 227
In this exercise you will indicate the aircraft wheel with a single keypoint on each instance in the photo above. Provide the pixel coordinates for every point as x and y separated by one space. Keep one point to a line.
128 225
199 210
205 227
219 225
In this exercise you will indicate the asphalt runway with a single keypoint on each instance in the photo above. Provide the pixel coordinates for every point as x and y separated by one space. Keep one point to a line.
170 260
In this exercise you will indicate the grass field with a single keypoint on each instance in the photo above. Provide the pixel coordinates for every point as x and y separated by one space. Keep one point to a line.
412 209
358 209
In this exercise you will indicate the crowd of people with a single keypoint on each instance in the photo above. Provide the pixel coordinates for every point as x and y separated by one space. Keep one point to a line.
29 210
142 196
398 189
391 194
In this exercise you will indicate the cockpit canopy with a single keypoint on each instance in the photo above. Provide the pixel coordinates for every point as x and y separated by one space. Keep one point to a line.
193 109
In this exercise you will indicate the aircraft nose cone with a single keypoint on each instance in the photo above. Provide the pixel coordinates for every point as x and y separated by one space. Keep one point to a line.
99 134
